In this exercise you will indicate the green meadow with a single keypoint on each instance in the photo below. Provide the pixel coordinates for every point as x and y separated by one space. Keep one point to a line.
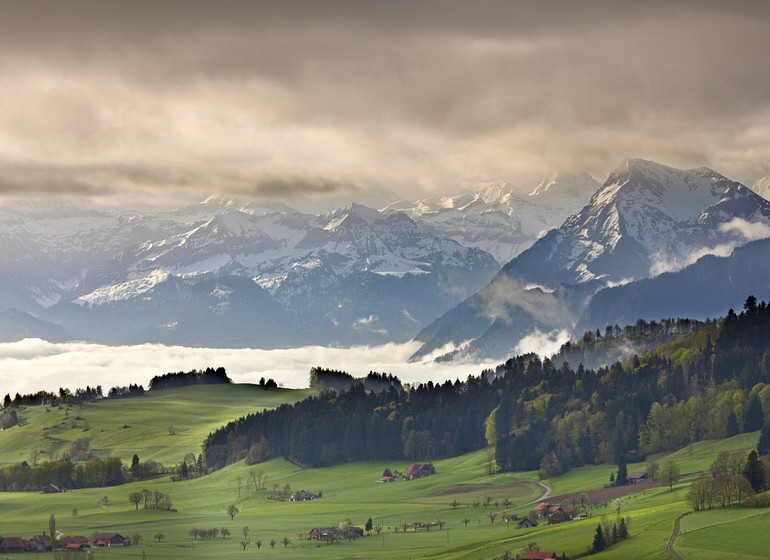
350 492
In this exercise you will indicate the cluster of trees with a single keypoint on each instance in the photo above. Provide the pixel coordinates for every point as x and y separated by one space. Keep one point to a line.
132 390
535 412
209 376
210 534
24 477
322 379
8 419
608 534
731 480
64 395
152 500
425 422
76 470
191 467
595 348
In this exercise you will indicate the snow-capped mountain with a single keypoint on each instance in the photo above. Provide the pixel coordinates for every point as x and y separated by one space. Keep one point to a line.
647 218
500 219
226 273
762 187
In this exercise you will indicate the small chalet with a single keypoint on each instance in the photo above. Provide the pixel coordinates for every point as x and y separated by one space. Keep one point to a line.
73 543
560 515
15 544
302 496
638 477
526 523
418 471
538 555
508 517
41 543
323 533
554 514
52 489
102 540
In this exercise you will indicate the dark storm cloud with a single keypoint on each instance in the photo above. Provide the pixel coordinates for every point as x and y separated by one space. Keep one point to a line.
423 95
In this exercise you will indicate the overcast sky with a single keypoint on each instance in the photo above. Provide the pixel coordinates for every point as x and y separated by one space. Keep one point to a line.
302 101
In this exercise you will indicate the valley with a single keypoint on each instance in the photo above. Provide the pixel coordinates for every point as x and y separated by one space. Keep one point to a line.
353 492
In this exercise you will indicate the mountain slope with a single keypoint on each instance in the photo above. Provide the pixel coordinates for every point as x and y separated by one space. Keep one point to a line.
645 219
499 219
720 282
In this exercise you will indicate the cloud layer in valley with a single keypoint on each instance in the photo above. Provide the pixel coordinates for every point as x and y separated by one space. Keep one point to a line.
32 364
310 101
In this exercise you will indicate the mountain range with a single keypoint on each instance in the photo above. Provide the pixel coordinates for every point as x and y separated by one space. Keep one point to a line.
645 219
231 273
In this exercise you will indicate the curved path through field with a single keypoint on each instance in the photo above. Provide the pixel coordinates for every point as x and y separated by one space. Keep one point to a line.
672 541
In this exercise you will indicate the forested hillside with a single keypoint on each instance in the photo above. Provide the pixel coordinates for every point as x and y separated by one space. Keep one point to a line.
539 414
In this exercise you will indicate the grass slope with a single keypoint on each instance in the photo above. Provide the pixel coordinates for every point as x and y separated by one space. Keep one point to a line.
122 427
349 492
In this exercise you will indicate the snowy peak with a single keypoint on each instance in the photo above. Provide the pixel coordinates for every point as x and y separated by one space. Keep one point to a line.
563 186
232 224
679 194
762 187
350 215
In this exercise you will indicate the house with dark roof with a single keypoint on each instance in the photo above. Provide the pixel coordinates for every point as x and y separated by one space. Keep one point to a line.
41 543
638 477
526 523
15 544
323 534
76 542
538 555
418 470
102 540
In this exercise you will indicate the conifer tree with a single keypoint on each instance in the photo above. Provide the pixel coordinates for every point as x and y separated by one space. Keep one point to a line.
599 543
754 471
763 445
622 529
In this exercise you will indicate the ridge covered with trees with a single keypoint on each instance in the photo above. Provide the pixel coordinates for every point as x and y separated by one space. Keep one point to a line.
537 413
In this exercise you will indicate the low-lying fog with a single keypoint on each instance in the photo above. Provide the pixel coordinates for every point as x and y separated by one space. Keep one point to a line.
33 364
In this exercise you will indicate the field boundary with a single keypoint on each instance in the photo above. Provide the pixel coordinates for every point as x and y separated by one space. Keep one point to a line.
674 535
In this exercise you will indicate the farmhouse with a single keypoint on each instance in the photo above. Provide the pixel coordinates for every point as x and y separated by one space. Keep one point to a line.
323 534
73 543
302 496
538 555
41 543
52 489
418 470
15 544
637 477
102 540
526 523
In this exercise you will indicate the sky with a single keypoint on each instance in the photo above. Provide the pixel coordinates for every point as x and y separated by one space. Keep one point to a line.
157 103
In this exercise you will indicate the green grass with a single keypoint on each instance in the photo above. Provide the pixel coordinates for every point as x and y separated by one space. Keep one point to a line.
349 492
122 427
726 533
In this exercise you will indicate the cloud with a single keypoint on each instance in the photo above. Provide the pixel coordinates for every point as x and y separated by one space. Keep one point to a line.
49 366
744 231
504 295
543 344
313 99
749 230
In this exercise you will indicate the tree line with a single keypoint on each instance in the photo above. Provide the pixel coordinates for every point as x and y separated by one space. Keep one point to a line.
209 376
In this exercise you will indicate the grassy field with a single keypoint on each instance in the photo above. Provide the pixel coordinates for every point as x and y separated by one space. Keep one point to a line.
122 427
350 492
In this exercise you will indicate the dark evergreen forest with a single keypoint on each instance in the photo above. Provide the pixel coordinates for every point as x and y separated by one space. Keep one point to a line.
711 382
